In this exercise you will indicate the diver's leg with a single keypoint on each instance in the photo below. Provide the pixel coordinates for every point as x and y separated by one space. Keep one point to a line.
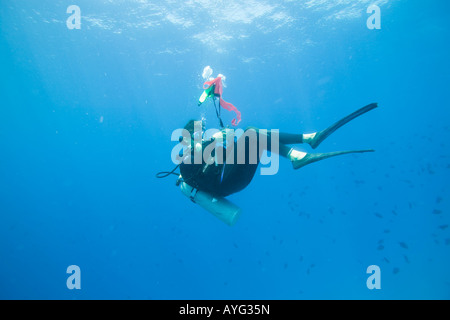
290 138
283 140
314 139
300 159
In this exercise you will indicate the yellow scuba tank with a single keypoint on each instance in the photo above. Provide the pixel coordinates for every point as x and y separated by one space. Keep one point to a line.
209 92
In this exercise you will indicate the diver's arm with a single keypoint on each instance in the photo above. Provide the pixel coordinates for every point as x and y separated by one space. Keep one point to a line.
227 141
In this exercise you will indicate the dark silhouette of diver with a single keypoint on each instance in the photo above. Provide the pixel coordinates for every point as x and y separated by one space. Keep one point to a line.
221 180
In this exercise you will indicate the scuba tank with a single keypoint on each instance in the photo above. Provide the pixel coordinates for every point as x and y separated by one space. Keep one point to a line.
220 207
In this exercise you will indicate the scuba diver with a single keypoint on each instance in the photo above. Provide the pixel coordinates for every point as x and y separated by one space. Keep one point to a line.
225 178
212 178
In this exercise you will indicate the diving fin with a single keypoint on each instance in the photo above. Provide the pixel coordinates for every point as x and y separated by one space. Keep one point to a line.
314 157
317 138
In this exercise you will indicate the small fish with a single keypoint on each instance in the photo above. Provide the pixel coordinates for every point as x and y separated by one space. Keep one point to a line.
437 211
443 227
407 181
395 270
386 259
380 247
403 245
378 215
406 258
438 199
387 231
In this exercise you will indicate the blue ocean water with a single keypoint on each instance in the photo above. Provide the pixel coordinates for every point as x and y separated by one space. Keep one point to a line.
86 117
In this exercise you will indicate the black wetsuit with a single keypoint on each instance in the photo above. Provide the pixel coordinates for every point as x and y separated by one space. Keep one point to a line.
225 179
220 179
